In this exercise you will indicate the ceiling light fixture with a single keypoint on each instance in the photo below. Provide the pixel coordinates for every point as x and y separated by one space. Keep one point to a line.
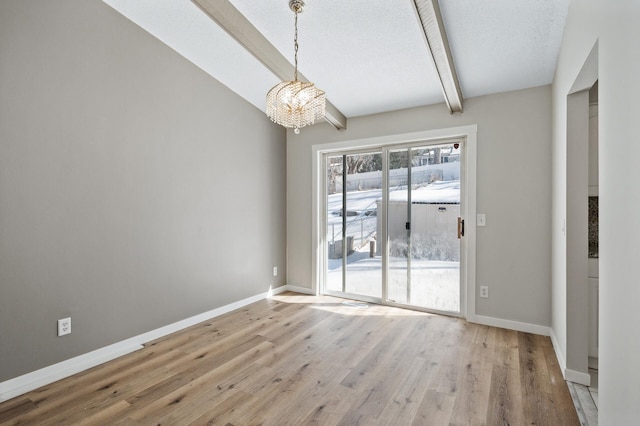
295 104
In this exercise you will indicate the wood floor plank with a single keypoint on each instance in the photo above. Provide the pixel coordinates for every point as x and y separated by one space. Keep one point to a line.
562 402
104 416
405 401
376 360
15 408
280 406
474 380
329 409
307 360
203 382
532 369
221 412
508 408
435 409
355 341
313 399
390 376
452 346
504 411
87 398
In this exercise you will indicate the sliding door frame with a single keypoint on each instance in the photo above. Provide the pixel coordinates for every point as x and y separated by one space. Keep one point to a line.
466 135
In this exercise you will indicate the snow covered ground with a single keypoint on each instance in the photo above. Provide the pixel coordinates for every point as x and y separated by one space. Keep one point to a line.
434 284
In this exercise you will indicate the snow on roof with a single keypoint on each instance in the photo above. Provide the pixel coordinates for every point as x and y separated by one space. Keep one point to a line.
434 193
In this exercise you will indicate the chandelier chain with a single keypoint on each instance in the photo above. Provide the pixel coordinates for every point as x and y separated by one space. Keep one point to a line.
295 46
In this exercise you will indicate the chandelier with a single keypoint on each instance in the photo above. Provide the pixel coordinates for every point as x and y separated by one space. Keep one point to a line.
295 104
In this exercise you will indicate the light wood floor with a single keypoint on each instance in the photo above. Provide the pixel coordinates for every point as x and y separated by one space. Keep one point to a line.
298 360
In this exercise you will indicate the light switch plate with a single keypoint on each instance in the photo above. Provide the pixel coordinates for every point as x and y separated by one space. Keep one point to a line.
481 219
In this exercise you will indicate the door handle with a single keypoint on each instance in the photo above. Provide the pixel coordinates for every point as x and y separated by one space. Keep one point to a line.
407 226
460 227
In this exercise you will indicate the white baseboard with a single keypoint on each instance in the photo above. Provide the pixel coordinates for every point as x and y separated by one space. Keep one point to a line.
302 290
44 376
568 374
511 325
577 377
278 290
559 354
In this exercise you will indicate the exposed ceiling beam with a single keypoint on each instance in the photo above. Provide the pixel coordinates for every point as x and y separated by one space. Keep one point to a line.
239 27
428 12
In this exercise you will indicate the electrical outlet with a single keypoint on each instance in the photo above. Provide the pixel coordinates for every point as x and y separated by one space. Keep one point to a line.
64 326
275 271
484 291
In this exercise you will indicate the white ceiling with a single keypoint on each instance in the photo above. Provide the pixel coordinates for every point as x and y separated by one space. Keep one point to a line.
369 56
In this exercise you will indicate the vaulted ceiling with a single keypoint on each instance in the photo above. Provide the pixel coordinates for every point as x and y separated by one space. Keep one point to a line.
370 56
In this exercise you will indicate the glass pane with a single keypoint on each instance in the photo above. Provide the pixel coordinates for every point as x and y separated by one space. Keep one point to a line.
334 224
398 235
435 247
364 199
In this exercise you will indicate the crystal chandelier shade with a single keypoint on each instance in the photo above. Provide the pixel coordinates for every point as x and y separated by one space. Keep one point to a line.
295 104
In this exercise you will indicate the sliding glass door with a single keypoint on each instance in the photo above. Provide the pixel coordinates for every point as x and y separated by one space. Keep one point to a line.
392 225
423 209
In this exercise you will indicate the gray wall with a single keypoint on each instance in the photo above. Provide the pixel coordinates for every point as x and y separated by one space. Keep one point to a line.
613 26
513 189
135 190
